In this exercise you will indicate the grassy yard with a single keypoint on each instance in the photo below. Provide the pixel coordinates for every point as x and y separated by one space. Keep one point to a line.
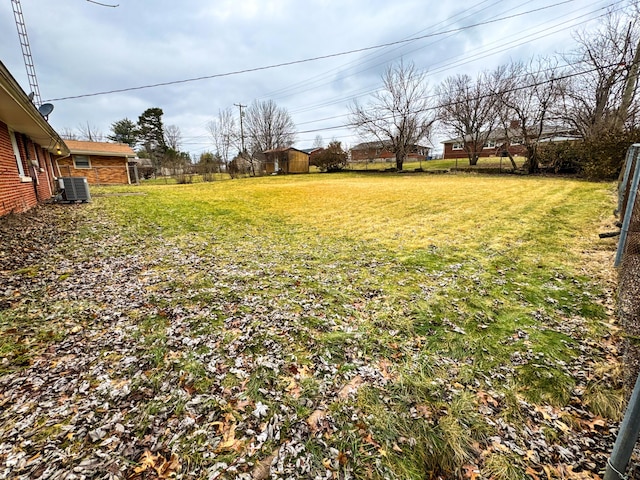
493 163
346 326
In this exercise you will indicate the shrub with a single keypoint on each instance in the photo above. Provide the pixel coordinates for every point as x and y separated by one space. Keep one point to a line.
599 158
331 159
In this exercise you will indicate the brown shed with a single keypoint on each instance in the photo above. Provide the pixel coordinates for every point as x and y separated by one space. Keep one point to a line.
286 160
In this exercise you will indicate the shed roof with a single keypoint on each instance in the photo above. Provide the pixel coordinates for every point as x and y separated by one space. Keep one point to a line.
100 148
283 149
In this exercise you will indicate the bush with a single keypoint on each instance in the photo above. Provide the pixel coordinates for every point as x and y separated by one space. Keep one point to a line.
561 157
604 156
331 159
599 158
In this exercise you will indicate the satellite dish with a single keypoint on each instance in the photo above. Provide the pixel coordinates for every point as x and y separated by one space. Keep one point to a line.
45 109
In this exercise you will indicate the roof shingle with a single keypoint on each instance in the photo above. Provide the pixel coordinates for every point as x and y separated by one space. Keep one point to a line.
100 148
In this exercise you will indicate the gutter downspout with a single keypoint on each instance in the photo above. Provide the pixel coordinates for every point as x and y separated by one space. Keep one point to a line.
58 165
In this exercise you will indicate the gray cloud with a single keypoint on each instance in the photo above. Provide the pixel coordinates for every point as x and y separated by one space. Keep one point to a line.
81 48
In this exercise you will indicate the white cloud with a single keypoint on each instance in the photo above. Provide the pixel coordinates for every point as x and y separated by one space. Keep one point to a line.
81 48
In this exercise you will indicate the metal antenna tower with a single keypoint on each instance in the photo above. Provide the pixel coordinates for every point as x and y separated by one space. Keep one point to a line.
26 52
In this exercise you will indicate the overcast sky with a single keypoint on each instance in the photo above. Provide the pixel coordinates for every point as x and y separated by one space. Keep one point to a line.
82 48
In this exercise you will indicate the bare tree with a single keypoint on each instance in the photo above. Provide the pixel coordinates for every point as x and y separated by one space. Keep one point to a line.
269 126
527 97
89 132
173 137
68 134
607 60
318 142
469 109
400 116
224 133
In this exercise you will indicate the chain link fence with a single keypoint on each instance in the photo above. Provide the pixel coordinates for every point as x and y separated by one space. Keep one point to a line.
628 260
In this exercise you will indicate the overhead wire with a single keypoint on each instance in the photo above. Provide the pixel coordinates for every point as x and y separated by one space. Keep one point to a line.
480 55
463 61
306 60
276 94
514 89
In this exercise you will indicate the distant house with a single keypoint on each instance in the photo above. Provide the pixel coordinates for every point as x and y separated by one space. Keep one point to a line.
377 152
285 160
501 141
100 162
313 153
27 143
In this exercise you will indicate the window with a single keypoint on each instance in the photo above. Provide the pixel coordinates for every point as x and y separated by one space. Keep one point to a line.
457 146
37 159
81 161
16 152
489 144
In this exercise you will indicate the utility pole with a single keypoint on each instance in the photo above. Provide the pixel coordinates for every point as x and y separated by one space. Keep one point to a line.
240 106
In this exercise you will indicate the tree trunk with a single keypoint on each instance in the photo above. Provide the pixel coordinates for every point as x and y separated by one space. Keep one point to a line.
532 160
473 159
399 161
513 162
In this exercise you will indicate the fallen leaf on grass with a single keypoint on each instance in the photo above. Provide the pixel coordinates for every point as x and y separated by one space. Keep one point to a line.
351 387
263 469
164 468
486 398
471 471
316 420
229 441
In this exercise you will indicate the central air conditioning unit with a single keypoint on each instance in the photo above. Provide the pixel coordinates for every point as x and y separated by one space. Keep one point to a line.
74 189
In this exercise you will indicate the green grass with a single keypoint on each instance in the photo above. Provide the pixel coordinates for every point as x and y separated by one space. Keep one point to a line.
450 286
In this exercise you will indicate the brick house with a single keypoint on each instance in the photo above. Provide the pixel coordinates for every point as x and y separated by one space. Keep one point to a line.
376 152
100 162
455 148
313 153
286 160
495 144
27 143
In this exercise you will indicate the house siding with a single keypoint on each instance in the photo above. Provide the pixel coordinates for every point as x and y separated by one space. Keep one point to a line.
450 153
17 196
288 161
298 162
104 170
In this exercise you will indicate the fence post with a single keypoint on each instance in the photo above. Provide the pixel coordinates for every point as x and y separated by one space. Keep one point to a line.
626 439
625 179
633 190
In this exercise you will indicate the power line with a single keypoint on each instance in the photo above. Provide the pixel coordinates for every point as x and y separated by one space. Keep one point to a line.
281 92
510 90
312 59
465 60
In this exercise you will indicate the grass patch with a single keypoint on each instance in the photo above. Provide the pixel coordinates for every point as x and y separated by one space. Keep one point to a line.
433 289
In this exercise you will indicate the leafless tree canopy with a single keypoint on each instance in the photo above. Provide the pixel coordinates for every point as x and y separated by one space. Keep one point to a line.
173 137
469 109
89 132
224 133
400 115
68 134
595 99
529 92
268 126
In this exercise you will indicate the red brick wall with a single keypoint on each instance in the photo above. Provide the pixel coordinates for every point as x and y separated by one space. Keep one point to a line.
449 152
16 196
104 170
